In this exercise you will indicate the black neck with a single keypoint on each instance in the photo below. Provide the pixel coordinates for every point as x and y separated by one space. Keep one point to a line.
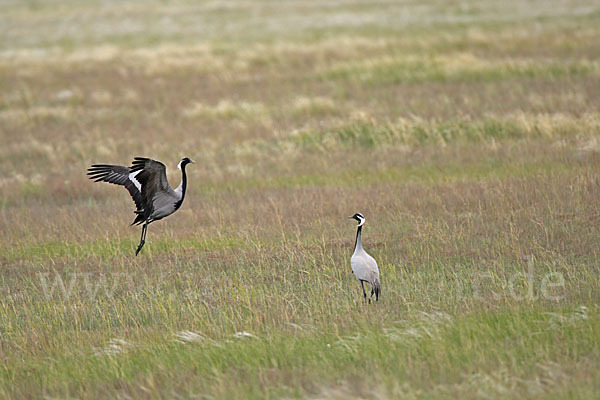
183 181
357 236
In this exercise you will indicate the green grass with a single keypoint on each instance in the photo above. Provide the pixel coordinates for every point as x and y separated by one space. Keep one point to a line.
459 356
107 249
388 72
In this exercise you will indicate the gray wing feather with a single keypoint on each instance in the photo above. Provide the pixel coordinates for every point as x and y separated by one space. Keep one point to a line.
164 204
155 187
365 267
117 175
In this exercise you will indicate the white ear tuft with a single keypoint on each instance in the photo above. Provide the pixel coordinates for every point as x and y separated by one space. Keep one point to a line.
179 165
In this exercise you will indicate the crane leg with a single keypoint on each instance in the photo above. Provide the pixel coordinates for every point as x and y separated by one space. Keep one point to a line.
362 285
142 238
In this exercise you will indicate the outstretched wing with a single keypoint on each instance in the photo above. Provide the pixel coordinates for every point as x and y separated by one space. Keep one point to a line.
119 175
152 176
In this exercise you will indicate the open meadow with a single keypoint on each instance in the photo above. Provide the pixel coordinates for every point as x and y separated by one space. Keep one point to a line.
467 132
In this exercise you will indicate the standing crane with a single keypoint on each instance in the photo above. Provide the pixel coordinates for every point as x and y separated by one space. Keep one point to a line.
146 181
363 265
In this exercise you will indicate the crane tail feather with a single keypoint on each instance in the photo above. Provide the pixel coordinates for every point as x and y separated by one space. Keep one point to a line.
138 219
377 289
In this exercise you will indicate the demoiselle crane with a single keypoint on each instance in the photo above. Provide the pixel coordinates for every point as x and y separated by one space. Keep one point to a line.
146 181
363 265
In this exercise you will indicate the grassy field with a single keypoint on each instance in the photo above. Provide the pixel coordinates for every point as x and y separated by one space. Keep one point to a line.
467 132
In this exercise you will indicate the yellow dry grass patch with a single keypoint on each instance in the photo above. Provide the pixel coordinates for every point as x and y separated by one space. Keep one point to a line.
200 56
227 109
23 114
553 125
313 104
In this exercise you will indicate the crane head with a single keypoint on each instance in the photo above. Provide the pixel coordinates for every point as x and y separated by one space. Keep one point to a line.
184 161
359 217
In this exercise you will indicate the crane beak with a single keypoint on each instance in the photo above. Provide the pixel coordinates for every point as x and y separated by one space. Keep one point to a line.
192 161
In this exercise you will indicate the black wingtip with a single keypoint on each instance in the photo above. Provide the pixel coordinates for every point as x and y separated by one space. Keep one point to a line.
139 160
98 167
138 163
97 170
